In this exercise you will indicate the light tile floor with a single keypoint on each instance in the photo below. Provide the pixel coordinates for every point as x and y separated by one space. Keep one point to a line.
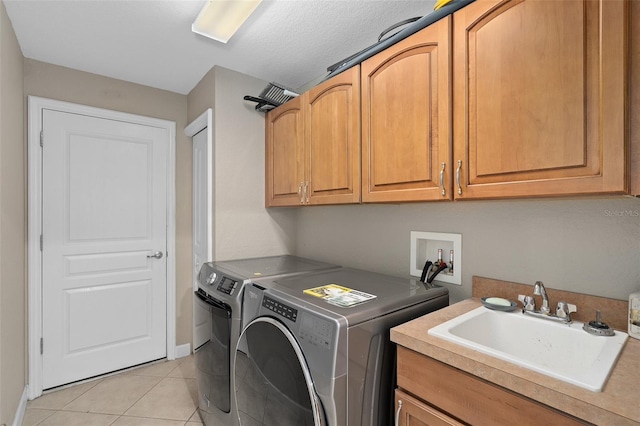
160 394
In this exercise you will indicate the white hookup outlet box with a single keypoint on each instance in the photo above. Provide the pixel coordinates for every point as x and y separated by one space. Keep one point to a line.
425 245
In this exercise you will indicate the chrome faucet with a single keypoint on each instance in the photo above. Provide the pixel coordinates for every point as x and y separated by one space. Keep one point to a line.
539 290
563 310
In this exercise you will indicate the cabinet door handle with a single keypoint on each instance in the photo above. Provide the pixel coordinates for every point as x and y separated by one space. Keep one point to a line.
444 192
397 423
458 177
300 193
306 192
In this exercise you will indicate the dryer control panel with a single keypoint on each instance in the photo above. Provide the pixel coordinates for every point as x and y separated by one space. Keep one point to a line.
312 329
316 331
280 308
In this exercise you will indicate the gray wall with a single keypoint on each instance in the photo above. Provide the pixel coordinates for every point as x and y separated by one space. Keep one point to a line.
12 224
586 245
242 227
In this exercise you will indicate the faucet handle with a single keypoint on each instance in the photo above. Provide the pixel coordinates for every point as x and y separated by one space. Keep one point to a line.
564 310
528 302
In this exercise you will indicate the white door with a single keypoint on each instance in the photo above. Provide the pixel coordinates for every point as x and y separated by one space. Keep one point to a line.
104 209
202 227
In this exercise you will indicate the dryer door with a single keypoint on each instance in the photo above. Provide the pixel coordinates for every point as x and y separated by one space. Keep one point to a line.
273 383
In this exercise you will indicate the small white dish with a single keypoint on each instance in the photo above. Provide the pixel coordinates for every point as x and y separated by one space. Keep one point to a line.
499 304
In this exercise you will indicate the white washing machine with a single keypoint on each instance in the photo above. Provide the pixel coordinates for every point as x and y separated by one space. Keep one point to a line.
302 360
220 290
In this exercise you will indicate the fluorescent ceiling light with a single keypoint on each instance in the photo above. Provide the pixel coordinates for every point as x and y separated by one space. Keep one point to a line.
220 19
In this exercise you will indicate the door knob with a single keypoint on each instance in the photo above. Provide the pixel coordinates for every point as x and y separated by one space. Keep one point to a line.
157 255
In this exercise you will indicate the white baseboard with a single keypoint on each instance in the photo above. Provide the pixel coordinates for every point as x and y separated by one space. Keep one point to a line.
183 350
22 407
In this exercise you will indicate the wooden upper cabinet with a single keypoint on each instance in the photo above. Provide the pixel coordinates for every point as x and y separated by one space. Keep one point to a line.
406 119
539 98
313 145
284 154
332 117
634 94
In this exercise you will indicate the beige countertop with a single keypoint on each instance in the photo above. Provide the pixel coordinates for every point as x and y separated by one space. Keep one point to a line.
617 404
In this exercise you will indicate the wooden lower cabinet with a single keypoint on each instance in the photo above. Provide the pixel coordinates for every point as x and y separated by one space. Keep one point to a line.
445 395
413 412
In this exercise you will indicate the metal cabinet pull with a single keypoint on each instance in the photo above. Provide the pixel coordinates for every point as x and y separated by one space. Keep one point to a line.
444 192
156 255
458 177
306 192
397 423
300 193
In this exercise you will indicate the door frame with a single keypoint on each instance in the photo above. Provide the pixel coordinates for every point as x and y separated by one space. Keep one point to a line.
36 105
204 123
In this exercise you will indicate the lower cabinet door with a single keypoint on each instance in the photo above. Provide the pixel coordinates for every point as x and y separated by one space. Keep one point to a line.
413 412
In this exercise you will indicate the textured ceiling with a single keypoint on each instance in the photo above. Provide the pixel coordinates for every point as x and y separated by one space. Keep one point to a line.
150 42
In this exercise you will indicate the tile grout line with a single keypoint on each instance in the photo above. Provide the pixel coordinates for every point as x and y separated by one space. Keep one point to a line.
51 414
162 377
166 376
147 392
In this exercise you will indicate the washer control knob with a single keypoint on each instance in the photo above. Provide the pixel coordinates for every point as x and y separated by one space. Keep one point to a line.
212 278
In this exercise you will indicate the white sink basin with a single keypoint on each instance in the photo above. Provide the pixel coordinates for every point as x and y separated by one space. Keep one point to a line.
563 351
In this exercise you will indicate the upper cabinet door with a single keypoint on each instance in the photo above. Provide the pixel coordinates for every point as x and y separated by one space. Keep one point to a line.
332 123
634 95
285 154
406 119
539 98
